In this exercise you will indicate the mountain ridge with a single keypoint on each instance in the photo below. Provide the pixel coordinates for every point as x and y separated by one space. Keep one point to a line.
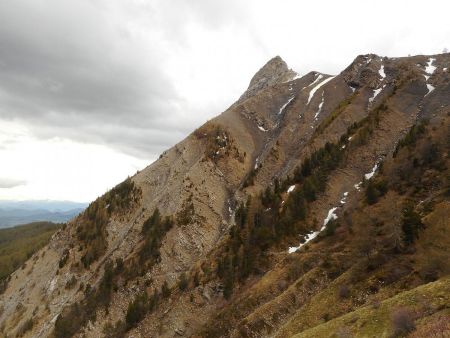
347 125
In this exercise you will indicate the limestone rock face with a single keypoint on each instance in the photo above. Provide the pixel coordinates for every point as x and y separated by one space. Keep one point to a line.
274 71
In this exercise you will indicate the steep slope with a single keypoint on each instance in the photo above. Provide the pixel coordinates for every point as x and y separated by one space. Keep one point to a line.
17 244
177 250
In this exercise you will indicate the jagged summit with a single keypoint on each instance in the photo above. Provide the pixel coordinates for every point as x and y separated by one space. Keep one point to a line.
274 71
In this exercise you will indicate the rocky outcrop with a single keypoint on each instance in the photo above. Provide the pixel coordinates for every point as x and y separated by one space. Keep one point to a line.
273 72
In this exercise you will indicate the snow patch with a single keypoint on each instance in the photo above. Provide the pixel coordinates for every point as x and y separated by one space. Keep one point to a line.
291 189
381 72
368 176
315 81
430 89
444 69
358 186
331 216
352 88
319 108
309 237
262 128
285 105
429 69
344 198
256 163
313 91
375 93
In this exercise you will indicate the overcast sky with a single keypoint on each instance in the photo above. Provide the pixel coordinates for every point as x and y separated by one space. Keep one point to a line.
93 90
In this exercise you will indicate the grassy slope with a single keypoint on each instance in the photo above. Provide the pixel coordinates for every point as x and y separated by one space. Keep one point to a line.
19 243
374 321
370 321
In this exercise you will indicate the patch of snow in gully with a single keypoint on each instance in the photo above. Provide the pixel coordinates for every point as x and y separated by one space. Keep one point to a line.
375 93
285 105
313 91
331 216
430 89
368 176
381 72
319 108
429 69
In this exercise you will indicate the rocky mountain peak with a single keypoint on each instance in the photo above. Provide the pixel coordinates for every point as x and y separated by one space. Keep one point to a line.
274 71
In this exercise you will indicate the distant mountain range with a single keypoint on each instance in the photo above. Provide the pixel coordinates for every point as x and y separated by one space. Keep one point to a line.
20 212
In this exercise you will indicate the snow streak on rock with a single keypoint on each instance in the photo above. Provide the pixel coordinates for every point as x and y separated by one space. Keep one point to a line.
344 198
313 91
430 89
309 237
314 82
291 189
429 69
368 176
319 108
375 93
331 216
381 72
285 105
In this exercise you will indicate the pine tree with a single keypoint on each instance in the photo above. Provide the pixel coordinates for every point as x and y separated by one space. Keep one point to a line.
183 282
165 290
371 193
228 286
411 224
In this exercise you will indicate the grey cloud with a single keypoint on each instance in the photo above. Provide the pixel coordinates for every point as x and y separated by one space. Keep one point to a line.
8 183
65 72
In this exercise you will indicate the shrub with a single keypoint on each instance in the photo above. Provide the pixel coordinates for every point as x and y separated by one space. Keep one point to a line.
183 282
115 331
154 229
411 224
402 322
71 282
375 189
331 228
196 279
344 291
92 223
137 309
25 327
165 290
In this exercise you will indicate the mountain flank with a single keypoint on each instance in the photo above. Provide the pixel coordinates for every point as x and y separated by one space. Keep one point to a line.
315 206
